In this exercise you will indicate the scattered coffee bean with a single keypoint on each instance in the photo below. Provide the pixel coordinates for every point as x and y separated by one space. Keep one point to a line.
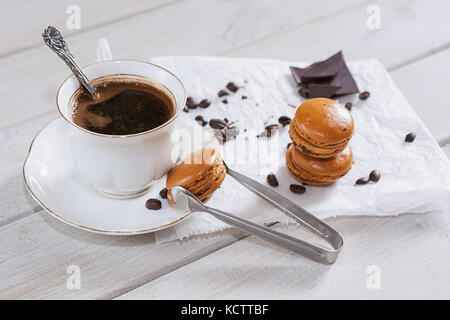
190 103
226 120
304 92
374 176
410 137
284 120
153 204
232 87
201 121
288 145
364 95
225 101
244 97
222 93
362 181
205 103
349 106
163 193
217 124
186 109
296 188
272 180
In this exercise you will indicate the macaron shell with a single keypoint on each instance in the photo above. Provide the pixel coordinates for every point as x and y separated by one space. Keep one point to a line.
318 171
313 150
324 122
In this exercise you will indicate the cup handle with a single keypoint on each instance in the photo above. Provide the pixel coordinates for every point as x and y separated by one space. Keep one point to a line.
103 50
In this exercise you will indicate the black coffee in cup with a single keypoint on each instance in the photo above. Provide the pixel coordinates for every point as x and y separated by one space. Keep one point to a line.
123 106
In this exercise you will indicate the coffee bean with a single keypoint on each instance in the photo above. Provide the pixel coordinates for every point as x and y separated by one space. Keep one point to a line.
364 95
296 188
190 103
288 145
201 121
410 137
244 97
205 103
217 124
272 180
186 109
226 120
304 92
222 93
232 87
163 193
284 120
153 204
349 106
374 176
225 101
362 181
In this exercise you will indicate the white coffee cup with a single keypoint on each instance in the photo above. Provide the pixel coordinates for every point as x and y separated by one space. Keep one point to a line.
122 166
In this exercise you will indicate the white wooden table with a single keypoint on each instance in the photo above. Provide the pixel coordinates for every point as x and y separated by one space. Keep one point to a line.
412 252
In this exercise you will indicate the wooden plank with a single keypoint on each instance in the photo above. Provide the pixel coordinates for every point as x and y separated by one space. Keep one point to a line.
39 14
411 253
409 31
426 84
36 251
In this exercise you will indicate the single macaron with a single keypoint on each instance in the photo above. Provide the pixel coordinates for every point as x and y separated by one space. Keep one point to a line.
318 171
321 127
201 172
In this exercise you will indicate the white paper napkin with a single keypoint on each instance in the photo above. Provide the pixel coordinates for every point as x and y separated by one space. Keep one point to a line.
415 177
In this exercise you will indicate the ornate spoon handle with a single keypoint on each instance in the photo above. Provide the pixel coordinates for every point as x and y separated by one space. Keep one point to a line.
55 41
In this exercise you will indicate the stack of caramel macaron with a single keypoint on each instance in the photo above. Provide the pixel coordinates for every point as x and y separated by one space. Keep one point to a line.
320 132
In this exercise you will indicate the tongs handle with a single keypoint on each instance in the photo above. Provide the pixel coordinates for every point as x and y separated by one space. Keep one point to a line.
283 240
317 226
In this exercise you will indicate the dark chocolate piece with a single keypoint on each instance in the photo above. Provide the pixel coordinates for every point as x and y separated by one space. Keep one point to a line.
317 90
323 71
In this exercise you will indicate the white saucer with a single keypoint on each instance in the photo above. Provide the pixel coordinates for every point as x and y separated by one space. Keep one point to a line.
55 185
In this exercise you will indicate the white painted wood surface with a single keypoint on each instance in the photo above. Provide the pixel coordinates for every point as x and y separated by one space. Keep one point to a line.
35 250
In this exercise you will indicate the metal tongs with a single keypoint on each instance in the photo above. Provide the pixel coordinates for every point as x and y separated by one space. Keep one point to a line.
187 200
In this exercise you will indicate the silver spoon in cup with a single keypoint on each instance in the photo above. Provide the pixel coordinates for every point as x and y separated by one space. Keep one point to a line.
55 41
